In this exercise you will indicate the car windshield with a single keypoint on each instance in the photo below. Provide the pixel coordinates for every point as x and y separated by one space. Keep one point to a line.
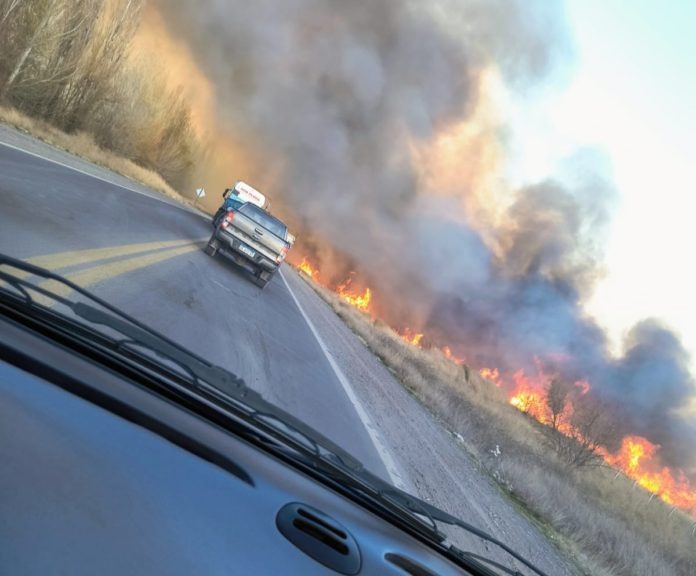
263 218
470 271
42 295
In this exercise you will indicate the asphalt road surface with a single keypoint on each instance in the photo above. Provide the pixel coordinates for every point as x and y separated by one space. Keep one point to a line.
145 257
143 253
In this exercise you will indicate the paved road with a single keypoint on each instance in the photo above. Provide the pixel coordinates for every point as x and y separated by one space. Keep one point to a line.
144 254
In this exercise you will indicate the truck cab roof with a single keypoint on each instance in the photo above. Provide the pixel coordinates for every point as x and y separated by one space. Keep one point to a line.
264 219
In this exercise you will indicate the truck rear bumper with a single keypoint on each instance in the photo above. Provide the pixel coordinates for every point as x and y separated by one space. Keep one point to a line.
238 251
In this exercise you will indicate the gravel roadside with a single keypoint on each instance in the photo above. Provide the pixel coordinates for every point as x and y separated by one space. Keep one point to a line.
431 461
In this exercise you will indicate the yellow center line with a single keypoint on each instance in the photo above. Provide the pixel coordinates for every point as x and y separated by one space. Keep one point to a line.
60 260
110 270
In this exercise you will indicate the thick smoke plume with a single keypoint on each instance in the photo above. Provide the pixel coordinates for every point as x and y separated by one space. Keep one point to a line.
373 127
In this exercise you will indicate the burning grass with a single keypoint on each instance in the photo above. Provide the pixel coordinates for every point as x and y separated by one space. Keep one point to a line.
599 516
360 300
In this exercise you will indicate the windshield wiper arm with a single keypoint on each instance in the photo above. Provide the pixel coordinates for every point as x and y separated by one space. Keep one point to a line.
226 386
454 521
418 506
471 556
198 369
370 484
214 380
111 317
220 382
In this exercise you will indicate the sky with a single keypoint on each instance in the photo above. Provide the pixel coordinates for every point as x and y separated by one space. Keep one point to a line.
632 95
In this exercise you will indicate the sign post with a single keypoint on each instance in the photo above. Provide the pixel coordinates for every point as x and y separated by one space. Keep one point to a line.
200 193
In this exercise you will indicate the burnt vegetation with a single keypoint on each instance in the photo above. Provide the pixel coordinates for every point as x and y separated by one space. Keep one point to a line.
66 62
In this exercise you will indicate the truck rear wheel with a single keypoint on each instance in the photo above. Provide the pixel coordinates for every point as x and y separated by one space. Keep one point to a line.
262 278
212 247
218 215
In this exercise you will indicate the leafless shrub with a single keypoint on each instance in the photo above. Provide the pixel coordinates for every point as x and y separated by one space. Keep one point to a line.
65 61
557 394
579 426
148 122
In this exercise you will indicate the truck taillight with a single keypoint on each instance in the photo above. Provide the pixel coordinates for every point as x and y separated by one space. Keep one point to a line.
227 220
282 255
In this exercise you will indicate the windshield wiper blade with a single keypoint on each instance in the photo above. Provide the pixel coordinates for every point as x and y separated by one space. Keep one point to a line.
226 386
197 368
368 483
112 317
215 380
221 384
454 521
481 560
422 508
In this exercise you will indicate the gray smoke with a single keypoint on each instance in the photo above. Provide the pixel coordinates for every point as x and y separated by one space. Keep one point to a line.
334 94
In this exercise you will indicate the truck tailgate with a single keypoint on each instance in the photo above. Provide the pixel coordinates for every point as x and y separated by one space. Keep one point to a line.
257 236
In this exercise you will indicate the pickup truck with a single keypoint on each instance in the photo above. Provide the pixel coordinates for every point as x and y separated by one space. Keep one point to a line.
252 238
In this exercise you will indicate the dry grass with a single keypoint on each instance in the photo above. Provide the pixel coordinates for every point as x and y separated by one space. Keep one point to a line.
600 519
83 145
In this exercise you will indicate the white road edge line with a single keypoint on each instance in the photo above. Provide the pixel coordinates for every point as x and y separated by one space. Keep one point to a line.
154 195
380 446
384 454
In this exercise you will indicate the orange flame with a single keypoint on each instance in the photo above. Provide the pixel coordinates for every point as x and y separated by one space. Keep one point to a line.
308 269
528 397
637 458
358 300
412 338
491 374
447 351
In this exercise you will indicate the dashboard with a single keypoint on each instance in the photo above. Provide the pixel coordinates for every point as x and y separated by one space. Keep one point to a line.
101 476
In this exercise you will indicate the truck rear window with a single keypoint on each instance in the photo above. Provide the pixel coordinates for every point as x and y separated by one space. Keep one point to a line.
264 219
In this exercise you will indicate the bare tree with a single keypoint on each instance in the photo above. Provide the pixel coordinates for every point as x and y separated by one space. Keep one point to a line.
59 65
579 425
32 21
69 62
60 56
110 36
557 393
7 7
44 42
